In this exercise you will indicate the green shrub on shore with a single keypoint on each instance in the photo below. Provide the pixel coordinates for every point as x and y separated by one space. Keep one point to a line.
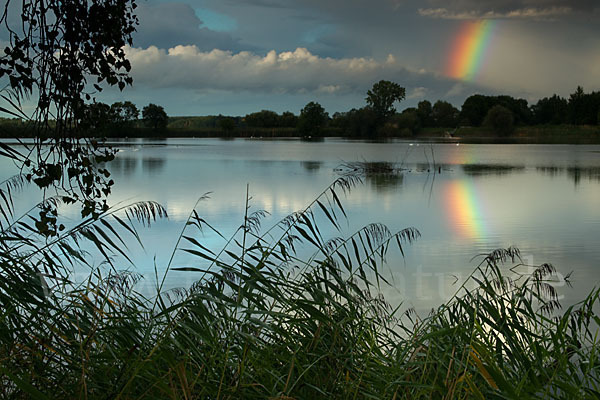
260 322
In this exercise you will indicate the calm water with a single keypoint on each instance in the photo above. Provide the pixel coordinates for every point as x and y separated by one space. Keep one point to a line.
544 199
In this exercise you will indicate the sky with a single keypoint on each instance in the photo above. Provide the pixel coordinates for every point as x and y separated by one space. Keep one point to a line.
233 57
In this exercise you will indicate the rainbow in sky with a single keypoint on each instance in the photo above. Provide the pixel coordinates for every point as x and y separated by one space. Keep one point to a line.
464 209
468 51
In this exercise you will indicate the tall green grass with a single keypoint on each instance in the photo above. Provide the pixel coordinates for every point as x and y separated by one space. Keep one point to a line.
261 322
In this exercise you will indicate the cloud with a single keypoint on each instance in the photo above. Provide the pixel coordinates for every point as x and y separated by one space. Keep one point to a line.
169 24
417 93
456 90
263 3
548 14
507 9
297 71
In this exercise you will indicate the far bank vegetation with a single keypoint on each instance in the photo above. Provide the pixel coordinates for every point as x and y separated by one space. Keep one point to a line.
553 119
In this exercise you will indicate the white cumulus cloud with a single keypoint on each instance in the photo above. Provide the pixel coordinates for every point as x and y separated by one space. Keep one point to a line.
297 71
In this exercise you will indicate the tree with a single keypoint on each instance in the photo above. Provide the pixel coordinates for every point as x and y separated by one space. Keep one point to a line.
263 119
519 107
550 110
226 124
53 49
382 96
357 123
424 112
408 121
500 119
583 107
576 106
155 116
474 110
288 120
444 114
313 119
96 116
123 113
476 107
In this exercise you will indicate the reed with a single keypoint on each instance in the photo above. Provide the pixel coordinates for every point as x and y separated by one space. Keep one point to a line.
262 322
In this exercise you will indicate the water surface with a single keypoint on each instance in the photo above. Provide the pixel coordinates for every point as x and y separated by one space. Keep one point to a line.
543 199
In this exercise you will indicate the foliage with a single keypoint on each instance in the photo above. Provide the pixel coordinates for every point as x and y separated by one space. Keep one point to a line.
55 49
474 110
382 96
519 108
96 116
425 113
408 121
56 46
155 116
550 110
288 120
262 323
583 107
500 119
357 123
123 114
270 119
226 124
312 120
476 107
262 119
100 118
444 114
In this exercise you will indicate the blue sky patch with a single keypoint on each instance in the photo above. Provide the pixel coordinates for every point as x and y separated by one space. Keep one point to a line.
215 21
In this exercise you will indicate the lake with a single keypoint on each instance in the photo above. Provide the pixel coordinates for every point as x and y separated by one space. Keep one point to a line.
543 199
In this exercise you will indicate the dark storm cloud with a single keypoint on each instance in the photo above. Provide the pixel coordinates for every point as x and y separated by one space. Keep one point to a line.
167 25
264 3
507 9
357 28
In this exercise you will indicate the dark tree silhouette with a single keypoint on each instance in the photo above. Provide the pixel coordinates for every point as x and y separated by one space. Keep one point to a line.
550 110
313 119
356 123
500 119
288 120
263 119
583 107
155 116
476 107
382 96
226 124
408 121
54 48
97 117
424 112
474 110
123 113
444 114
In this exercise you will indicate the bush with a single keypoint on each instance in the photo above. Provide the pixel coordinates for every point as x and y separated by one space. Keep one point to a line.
500 119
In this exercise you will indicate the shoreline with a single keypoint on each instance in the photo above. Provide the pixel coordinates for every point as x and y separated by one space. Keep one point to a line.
551 134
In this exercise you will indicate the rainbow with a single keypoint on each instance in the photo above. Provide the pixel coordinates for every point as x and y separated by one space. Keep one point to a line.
464 209
467 54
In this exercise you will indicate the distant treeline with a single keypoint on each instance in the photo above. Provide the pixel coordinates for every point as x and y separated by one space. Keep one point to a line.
499 114
496 115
